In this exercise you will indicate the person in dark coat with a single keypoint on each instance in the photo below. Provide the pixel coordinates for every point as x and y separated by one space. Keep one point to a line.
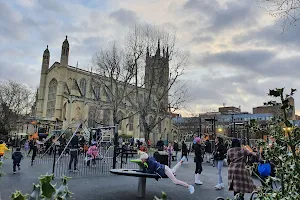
74 147
220 155
34 151
160 145
198 159
208 150
176 148
17 157
184 151
239 179
30 146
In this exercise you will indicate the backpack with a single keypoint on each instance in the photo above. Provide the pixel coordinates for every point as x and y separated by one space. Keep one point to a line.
264 169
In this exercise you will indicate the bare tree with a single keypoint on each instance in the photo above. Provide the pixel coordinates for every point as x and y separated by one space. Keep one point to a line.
115 74
16 100
287 11
158 64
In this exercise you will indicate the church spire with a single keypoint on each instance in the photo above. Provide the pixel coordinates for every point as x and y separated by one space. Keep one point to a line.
158 48
64 58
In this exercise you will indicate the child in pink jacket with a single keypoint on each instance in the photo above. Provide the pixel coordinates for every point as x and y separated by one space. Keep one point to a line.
92 153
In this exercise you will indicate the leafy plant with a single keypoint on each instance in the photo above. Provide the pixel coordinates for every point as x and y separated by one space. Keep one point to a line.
283 151
164 197
45 190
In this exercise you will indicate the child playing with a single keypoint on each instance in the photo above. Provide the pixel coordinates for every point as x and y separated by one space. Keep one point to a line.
155 167
26 145
3 149
93 154
170 153
17 157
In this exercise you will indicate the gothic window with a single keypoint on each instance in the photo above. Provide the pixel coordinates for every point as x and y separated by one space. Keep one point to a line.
120 116
151 121
106 117
97 91
130 122
52 88
64 111
159 125
82 86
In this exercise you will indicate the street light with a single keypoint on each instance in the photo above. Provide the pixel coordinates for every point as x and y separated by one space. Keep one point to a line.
220 130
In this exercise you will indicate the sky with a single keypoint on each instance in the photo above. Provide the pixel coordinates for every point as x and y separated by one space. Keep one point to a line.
237 50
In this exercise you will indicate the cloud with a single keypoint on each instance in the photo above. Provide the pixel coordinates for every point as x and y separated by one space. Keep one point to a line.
124 17
236 54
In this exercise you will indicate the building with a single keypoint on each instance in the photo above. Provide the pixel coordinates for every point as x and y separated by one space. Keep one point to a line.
276 110
228 123
69 95
229 109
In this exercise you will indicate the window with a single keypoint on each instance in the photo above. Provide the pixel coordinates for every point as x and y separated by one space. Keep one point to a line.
52 88
82 86
106 117
64 111
130 122
159 125
120 116
97 91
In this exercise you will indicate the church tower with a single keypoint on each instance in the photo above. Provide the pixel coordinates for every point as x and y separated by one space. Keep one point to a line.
157 72
64 58
42 87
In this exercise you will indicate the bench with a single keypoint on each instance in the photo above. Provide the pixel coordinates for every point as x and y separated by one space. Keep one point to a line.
137 173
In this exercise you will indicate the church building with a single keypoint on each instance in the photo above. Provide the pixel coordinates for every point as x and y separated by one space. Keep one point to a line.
67 95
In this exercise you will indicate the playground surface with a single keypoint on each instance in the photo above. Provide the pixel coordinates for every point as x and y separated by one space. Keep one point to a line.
111 187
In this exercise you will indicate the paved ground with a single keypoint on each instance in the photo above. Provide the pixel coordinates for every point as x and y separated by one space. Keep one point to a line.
110 187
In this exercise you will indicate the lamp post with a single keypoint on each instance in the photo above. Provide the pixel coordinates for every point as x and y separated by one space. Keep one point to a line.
199 133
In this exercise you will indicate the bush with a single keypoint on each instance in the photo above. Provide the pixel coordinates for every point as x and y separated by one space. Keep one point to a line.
283 152
45 190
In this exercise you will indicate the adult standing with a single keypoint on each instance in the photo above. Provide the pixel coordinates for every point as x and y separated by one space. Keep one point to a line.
198 160
74 146
176 148
160 145
208 150
239 179
184 151
219 157
31 145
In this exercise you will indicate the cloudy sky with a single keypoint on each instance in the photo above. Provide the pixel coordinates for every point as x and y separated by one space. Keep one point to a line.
237 49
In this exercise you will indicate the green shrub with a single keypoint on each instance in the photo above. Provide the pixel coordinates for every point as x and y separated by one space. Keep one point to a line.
45 190
283 152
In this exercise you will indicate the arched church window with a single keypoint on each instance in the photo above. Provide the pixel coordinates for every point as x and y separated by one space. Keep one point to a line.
97 91
52 88
64 111
130 122
120 116
106 117
159 125
82 86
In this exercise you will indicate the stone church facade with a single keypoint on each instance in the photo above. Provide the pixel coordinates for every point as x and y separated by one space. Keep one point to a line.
67 94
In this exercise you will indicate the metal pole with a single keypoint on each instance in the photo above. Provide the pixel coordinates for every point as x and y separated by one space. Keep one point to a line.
115 146
199 132
54 160
248 139
214 126
231 125
234 129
